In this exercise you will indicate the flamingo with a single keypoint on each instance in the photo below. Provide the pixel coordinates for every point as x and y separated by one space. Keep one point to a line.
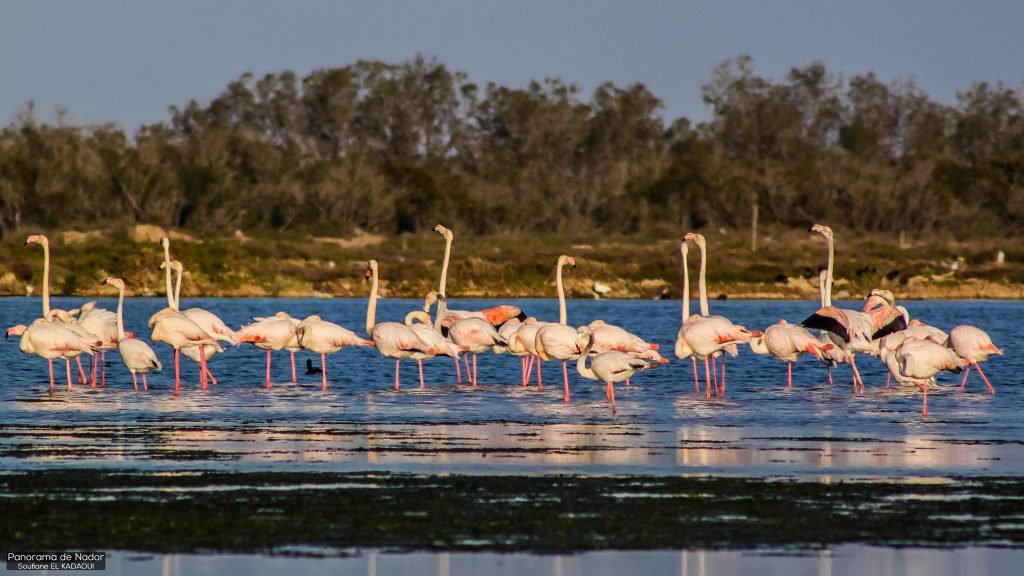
702 336
611 366
425 331
473 334
44 242
526 338
558 341
684 297
274 333
392 339
854 331
323 338
705 312
788 342
510 331
136 354
973 345
51 340
103 324
206 320
890 343
920 360
834 355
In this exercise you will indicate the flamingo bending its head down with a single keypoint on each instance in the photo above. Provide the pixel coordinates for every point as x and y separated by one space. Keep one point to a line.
973 345
611 366
323 338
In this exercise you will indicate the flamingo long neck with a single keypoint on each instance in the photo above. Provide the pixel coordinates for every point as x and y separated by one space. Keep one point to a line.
177 289
444 266
828 272
685 296
581 363
822 280
442 312
120 314
562 315
704 311
46 279
167 277
371 308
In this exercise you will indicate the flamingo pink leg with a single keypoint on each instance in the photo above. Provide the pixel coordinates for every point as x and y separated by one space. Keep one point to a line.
397 360
474 370
469 375
723 375
696 381
529 368
964 381
983 377
828 369
714 373
522 366
888 380
856 376
210 375
420 362
294 377
81 373
707 379
51 376
565 377
68 361
789 375
135 381
268 368
924 408
540 385
627 381
177 371
202 365
458 371
92 370
103 367
608 390
145 384
611 388
323 369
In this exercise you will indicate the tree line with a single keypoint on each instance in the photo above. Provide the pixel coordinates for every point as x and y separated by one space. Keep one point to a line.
395 148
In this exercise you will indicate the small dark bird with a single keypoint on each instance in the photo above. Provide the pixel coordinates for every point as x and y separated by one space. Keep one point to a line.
310 369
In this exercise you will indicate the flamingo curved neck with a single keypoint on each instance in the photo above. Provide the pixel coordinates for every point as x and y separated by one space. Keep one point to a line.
120 313
167 277
828 272
371 308
562 315
46 279
701 286
685 296
444 266
581 363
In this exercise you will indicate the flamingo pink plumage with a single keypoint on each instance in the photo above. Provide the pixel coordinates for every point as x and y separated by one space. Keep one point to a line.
973 345
137 356
788 342
559 341
392 339
277 332
323 338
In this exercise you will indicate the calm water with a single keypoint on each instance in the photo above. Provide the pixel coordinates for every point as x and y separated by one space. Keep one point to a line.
815 431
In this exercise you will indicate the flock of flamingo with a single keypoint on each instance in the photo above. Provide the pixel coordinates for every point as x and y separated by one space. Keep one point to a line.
912 351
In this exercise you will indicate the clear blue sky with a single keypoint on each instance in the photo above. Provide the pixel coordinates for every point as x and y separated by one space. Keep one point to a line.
129 60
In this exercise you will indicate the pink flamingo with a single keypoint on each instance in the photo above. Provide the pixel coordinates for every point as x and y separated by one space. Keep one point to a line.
392 339
973 345
323 338
51 340
103 324
136 354
788 342
475 335
426 331
684 297
558 341
526 339
855 331
277 332
920 360
610 366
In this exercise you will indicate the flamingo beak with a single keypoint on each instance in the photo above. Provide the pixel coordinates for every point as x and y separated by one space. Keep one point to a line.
662 360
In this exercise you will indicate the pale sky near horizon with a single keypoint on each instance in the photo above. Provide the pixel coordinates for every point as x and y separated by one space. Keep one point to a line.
128 61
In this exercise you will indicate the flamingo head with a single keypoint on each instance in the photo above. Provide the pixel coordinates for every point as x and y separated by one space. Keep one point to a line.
16 330
61 315
115 282
584 337
37 239
444 232
165 242
566 260
696 238
371 270
822 229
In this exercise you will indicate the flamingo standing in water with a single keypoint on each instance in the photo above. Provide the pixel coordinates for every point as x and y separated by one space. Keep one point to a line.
920 360
323 338
475 335
973 345
558 341
136 354
853 331
684 297
705 335
426 331
526 338
103 324
392 339
277 332
788 342
834 355
610 366
44 242
51 340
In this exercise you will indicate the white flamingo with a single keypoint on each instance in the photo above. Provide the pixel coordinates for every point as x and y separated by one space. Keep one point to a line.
136 354
558 341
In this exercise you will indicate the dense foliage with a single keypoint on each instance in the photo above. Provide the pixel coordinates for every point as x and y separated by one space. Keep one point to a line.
400 147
